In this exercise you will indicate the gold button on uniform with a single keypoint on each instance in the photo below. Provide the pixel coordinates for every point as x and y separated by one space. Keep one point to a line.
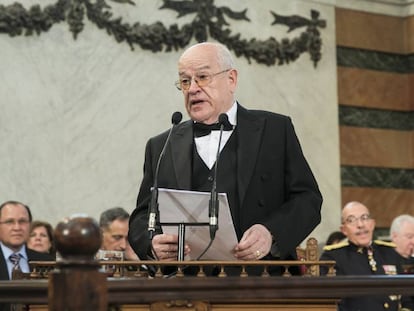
386 305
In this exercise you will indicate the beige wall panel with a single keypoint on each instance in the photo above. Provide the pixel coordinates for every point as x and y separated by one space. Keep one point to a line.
409 26
375 89
384 204
370 31
376 147
411 88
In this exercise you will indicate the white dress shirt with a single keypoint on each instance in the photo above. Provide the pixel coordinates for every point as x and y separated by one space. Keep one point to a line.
24 260
207 145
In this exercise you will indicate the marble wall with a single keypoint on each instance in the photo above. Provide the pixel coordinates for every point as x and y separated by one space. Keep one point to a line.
76 114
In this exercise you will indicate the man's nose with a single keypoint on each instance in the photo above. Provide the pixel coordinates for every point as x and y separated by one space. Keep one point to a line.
360 222
16 226
123 244
193 85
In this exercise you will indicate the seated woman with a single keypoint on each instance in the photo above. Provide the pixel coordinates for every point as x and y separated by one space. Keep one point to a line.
41 237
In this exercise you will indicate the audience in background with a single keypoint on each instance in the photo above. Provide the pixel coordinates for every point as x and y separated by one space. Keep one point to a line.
335 237
114 224
41 237
402 234
360 255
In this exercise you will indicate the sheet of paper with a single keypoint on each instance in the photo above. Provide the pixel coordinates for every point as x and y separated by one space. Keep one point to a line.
180 206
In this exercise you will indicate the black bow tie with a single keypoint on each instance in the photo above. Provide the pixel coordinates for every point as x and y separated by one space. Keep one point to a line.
201 129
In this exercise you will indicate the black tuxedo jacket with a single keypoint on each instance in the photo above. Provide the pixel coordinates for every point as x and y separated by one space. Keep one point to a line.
276 186
32 256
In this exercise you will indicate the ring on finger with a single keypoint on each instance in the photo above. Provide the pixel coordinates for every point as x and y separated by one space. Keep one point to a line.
258 254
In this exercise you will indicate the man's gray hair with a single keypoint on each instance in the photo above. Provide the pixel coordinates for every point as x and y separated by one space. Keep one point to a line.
225 58
115 213
399 221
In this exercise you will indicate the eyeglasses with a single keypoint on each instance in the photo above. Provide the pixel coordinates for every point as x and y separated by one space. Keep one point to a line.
11 222
202 79
352 220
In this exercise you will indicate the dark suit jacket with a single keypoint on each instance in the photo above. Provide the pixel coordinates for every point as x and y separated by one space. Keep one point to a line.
4 275
276 187
32 256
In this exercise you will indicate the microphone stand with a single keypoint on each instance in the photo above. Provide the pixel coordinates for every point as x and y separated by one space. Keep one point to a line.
181 234
154 207
213 210
214 202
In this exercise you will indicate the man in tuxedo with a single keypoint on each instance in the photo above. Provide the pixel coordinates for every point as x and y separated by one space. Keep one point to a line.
273 196
15 219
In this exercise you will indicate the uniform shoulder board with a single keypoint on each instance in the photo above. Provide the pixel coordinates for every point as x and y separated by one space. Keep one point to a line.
384 243
335 246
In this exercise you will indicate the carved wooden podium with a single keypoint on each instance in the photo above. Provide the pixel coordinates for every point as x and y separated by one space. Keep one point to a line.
76 284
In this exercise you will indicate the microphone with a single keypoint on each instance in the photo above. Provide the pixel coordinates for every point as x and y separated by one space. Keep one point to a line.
153 210
213 209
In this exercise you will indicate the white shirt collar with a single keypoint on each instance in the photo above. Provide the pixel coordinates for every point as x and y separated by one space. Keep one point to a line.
232 114
7 251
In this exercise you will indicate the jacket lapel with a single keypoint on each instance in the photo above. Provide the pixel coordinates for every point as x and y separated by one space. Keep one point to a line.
4 273
181 146
249 133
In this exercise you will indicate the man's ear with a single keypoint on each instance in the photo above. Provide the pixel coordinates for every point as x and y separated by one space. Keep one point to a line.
343 229
233 78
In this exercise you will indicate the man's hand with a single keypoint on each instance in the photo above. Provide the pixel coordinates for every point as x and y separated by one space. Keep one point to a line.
254 244
165 247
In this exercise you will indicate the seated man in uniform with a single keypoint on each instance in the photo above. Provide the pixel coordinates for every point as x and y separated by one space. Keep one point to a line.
360 255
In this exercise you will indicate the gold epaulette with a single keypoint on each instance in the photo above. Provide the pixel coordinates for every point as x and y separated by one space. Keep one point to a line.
385 243
335 246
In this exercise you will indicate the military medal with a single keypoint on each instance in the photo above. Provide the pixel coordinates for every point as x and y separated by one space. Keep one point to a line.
371 259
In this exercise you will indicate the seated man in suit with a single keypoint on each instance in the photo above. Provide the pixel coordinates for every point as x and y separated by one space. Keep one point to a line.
402 234
15 219
360 255
114 224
